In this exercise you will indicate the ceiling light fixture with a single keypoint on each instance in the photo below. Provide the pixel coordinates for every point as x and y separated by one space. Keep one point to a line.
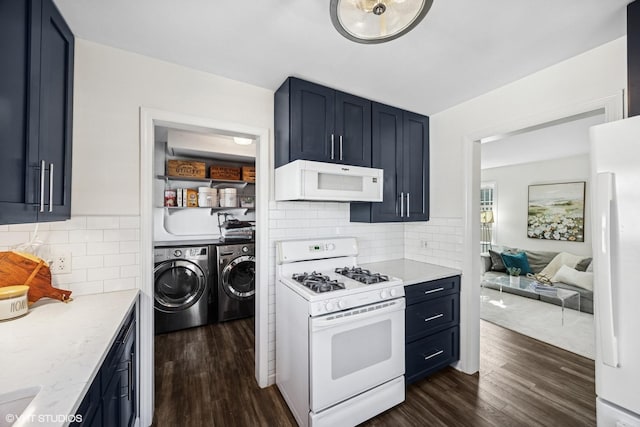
377 21
242 141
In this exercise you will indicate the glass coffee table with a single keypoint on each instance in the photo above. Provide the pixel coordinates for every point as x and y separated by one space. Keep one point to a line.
527 288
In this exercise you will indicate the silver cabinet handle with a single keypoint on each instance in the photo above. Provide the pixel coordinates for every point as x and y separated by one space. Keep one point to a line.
129 375
401 205
437 316
433 290
408 209
437 353
333 150
51 187
340 147
42 165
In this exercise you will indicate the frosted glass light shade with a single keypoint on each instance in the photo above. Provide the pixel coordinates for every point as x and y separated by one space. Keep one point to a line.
377 21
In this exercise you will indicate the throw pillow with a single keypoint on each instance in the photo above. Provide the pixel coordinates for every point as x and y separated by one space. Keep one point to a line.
518 260
538 260
563 258
571 276
583 265
496 261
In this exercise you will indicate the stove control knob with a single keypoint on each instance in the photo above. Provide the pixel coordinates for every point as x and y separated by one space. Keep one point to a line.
384 294
329 306
341 304
393 292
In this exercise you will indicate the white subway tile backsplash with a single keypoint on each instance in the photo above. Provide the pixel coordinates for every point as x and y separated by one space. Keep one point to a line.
120 260
51 237
126 235
29 227
75 223
103 222
77 236
86 288
130 271
103 248
12 238
87 261
130 247
76 276
130 222
112 285
103 273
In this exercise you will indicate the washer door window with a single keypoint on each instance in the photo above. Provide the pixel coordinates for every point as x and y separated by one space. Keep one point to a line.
178 285
238 277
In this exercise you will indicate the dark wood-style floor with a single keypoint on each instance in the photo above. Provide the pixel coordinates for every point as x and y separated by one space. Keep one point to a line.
205 377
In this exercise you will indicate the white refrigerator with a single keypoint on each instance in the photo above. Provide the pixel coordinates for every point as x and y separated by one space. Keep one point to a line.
615 168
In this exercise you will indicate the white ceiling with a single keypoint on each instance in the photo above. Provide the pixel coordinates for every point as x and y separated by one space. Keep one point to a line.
544 143
462 49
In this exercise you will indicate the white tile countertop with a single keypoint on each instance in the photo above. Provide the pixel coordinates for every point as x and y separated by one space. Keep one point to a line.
410 271
59 347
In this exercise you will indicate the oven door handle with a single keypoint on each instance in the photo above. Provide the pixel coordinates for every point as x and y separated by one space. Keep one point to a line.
359 313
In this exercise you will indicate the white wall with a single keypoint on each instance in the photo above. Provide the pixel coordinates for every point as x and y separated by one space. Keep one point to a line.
110 87
593 75
512 183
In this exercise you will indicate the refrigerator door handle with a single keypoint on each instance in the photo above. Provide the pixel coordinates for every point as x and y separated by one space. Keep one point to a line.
604 315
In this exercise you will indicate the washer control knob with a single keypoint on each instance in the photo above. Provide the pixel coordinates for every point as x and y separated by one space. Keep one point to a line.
245 249
393 292
177 253
331 246
341 304
384 294
329 306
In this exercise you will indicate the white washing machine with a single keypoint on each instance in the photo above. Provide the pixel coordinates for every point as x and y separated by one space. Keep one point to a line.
182 287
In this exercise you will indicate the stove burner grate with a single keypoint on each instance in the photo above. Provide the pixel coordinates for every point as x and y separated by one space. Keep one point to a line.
318 282
362 275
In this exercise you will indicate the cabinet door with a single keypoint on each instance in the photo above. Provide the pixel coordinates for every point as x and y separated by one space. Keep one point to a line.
416 166
386 146
312 122
353 130
56 96
18 102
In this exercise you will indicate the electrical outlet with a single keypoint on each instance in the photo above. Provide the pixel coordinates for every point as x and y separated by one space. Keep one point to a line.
424 244
61 263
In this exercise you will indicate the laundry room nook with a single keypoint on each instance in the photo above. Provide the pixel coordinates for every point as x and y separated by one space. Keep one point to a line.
204 239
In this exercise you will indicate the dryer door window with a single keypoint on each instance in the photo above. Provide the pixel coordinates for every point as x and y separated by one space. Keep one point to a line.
178 285
238 277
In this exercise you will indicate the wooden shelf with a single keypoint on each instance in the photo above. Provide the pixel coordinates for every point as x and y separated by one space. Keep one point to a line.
173 209
214 183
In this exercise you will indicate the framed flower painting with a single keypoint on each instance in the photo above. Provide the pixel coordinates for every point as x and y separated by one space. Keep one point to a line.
556 211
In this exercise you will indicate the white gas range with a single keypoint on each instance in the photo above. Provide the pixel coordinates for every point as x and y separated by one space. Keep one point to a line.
339 334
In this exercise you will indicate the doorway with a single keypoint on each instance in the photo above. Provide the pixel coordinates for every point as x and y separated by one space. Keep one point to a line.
149 120
550 156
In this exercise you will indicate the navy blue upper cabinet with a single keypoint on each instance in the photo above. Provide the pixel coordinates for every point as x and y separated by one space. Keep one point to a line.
36 91
400 146
313 122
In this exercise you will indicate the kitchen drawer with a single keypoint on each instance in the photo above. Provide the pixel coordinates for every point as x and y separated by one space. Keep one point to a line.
430 354
431 316
433 289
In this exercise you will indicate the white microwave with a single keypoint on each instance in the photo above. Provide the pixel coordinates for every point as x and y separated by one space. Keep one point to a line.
307 180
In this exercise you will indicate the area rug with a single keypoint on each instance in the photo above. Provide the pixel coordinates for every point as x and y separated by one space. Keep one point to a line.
540 320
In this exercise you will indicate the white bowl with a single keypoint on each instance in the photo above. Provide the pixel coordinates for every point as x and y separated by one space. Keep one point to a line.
13 301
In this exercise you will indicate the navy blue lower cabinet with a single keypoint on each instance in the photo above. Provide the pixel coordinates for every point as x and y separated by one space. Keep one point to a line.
432 333
112 398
